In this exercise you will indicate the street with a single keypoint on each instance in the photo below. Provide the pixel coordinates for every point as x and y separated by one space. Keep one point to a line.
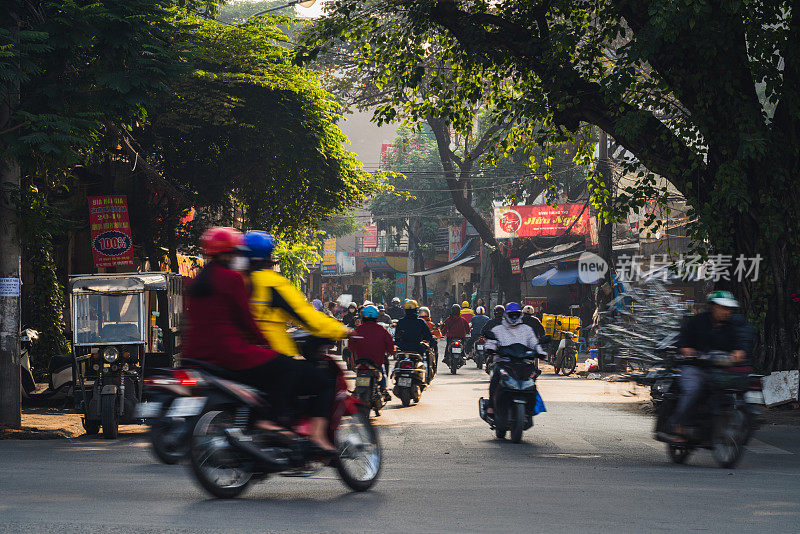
588 464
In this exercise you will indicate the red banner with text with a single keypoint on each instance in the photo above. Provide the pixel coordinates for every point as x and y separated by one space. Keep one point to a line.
541 220
112 245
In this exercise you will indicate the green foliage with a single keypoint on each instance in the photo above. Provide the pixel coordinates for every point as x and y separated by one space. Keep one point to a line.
382 289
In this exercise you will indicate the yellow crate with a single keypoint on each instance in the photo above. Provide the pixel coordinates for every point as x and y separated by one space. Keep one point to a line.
572 324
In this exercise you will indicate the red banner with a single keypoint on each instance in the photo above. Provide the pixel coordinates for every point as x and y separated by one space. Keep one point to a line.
371 239
112 245
540 220
515 267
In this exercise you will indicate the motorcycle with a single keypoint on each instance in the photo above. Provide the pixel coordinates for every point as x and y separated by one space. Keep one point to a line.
454 355
566 356
479 352
347 354
726 416
368 388
227 452
516 398
409 375
170 396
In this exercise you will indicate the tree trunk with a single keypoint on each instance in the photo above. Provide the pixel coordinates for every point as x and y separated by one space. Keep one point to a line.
605 245
10 392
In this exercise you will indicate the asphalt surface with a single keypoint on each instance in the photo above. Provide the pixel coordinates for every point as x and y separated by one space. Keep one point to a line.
589 464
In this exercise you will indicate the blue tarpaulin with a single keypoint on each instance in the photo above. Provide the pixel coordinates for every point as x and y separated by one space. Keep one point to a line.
555 277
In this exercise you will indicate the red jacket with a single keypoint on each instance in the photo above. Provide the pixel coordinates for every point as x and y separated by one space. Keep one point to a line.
455 326
220 328
376 342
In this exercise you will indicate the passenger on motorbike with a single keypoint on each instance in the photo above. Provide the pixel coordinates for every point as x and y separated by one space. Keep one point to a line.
383 317
275 302
497 318
466 311
531 320
717 329
455 326
411 331
511 330
372 342
425 315
349 317
220 329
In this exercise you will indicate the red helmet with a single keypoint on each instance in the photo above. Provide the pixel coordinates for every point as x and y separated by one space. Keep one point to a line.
220 239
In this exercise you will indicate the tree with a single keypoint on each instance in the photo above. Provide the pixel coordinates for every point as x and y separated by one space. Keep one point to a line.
675 84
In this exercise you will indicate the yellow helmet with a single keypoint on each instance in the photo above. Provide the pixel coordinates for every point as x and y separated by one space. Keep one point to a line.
411 304
465 304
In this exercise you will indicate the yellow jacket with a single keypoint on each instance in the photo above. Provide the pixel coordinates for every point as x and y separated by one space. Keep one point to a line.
275 302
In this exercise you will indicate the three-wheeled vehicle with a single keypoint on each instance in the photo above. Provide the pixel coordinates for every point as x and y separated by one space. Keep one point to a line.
123 324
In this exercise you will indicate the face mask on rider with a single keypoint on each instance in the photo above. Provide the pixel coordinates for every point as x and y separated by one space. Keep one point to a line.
240 263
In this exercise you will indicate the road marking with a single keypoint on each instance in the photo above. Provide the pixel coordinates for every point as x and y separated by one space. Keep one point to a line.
759 447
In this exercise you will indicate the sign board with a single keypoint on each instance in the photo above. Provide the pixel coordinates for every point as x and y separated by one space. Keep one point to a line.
371 239
515 267
9 287
400 282
346 260
455 239
536 302
112 245
328 256
540 220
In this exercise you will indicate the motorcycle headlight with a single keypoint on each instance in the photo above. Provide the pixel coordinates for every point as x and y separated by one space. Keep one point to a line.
527 384
111 354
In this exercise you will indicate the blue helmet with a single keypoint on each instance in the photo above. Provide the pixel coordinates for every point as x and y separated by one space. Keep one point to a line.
370 312
513 307
513 313
261 244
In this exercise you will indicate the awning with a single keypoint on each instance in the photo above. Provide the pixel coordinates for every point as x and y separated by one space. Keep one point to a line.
554 277
445 266
568 251
463 250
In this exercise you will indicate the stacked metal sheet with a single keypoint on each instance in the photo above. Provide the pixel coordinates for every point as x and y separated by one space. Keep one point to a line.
641 325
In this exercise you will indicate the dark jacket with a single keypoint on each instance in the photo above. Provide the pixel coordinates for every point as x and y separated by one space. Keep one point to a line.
476 325
349 318
491 323
220 328
698 333
535 323
395 312
385 318
411 331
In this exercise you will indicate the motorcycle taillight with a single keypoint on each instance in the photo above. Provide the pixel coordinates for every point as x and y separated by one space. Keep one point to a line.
405 364
186 378
456 343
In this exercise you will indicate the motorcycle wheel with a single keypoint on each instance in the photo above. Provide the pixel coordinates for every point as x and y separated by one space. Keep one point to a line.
518 423
568 364
167 453
453 366
212 458
92 428
727 440
359 461
109 417
500 432
678 454
416 393
405 397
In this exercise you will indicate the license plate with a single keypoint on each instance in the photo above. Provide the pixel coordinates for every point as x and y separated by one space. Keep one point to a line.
147 410
362 381
404 382
754 397
456 350
186 406
479 347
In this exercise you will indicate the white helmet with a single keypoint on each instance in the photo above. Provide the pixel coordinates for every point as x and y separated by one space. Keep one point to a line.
396 300
528 310
424 311
479 310
367 302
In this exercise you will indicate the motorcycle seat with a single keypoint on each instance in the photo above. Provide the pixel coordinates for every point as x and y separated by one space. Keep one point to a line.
215 370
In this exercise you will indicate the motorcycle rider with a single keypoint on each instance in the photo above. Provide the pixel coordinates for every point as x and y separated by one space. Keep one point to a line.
511 330
466 311
220 329
384 317
425 315
476 325
717 329
349 317
530 319
411 331
395 311
497 317
372 342
454 327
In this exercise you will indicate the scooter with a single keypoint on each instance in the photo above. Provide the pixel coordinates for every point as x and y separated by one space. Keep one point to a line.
454 355
409 375
516 399
368 386
479 352
227 451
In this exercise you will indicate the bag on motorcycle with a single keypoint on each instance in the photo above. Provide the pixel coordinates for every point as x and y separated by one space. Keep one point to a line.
539 406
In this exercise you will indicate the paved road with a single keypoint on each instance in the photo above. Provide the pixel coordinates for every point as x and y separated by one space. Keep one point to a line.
588 465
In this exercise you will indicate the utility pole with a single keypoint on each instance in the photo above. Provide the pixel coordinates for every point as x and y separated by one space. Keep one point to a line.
604 241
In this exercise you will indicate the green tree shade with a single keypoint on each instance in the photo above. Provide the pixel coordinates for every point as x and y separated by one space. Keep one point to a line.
674 83
382 290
